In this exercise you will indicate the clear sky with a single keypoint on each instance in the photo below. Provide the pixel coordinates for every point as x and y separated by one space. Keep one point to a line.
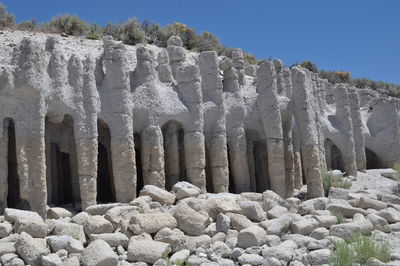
360 36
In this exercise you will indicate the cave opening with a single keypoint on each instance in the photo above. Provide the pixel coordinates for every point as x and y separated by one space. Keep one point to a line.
138 159
231 187
105 179
373 160
61 176
61 163
261 176
13 195
334 158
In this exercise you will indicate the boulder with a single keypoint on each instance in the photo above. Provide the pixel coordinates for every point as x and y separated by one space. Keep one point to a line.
180 256
58 213
14 215
113 239
121 213
51 260
151 222
239 221
277 212
7 247
319 233
5 229
347 231
318 257
30 250
379 223
223 223
303 226
251 236
250 259
157 194
253 210
280 226
66 242
391 215
345 208
70 229
99 253
185 190
36 228
101 209
368 203
218 250
148 251
283 251
189 221
98 225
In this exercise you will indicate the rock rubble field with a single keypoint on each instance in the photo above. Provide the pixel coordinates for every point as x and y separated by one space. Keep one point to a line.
188 227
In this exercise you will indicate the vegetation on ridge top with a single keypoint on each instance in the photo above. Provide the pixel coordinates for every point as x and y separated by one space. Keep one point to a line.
132 32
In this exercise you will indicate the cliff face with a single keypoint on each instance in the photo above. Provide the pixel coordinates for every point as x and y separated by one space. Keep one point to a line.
92 121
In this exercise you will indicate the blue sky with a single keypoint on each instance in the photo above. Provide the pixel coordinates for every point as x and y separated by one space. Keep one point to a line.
360 36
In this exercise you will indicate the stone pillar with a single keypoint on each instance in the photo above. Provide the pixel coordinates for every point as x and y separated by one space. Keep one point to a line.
238 64
116 82
289 155
31 160
268 106
211 84
3 165
153 156
298 168
176 54
287 78
238 159
85 132
171 152
188 78
280 81
343 117
358 131
307 132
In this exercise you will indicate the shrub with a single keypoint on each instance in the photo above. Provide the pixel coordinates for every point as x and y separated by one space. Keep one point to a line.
310 66
27 25
70 25
152 31
207 42
7 20
329 181
344 255
95 32
360 250
132 32
249 59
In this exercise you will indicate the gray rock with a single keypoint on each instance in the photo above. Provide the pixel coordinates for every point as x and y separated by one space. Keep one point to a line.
191 222
66 242
251 236
158 194
318 257
223 223
51 260
218 250
347 231
5 229
319 233
253 210
113 239
185 190
30 250
151 222
98 225
251 259
148 251
99 253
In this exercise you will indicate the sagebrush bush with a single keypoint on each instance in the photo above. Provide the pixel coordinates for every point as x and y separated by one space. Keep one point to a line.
94 32
7 20
132 32
68 24
27 25
310 66
339 217
207 42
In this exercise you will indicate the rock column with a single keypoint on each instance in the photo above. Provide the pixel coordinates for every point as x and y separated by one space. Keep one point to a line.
212 91
307 132
267 104
153 157
189 85
343 116
358 131
116 82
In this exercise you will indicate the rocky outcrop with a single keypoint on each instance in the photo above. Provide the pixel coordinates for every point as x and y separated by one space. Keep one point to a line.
95 121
